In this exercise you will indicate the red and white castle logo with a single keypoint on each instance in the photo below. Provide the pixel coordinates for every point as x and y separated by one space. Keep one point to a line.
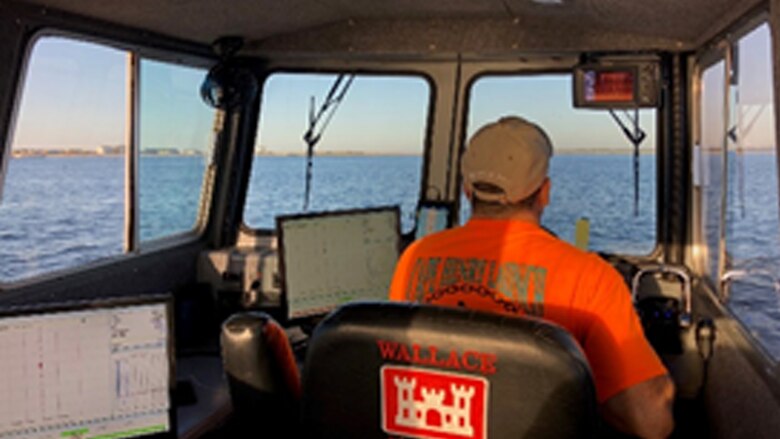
455 419
431 404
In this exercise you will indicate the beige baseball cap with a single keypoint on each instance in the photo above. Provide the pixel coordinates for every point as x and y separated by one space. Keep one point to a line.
511 154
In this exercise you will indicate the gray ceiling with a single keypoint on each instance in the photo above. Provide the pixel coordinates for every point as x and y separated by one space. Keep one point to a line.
414 26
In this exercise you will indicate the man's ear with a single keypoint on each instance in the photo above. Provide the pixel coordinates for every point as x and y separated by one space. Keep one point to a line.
467 192
544 195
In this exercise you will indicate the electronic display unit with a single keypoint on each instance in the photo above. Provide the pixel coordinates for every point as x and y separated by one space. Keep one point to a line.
87 371
617 85
330 258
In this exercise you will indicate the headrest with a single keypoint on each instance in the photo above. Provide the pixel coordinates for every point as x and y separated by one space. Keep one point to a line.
261 371
379 369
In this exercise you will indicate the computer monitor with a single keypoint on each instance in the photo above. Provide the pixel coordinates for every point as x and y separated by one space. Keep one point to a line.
330 258
622 83
96 371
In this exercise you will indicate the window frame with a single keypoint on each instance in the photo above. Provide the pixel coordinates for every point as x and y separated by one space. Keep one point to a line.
201 217
759 356
254 233
703 259
140 52
719 49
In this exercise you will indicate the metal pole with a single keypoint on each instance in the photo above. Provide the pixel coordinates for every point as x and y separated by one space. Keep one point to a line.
724 158
636 141
132 101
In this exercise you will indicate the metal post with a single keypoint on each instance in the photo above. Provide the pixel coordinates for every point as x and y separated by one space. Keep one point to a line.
724 155
132 101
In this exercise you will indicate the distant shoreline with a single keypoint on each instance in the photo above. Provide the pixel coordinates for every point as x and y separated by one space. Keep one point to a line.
107 156
562 152
102 151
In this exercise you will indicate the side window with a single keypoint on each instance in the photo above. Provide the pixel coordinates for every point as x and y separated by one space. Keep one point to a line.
63 196
175 130
592 168
752 226
710 153
63 203
369 150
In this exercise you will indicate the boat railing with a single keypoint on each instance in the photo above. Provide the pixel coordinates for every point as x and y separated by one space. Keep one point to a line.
681 273
738 273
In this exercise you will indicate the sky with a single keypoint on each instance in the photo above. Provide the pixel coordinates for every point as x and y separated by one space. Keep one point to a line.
388 114
754 90
378 114
547 101
74 97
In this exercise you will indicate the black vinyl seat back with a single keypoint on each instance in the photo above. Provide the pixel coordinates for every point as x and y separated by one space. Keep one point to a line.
379 370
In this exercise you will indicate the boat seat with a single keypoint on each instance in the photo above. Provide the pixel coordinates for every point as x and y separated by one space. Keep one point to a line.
375 370
261 373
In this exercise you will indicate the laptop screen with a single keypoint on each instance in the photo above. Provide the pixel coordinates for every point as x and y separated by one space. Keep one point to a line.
328 259
97 372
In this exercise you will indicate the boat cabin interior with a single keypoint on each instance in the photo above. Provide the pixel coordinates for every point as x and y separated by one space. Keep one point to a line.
202 203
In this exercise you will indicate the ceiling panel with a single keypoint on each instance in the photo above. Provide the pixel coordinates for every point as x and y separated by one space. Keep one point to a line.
265 22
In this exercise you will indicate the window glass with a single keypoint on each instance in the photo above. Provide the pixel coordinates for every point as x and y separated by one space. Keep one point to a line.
752 226
592 167
369 153
711 151
63 196
175 137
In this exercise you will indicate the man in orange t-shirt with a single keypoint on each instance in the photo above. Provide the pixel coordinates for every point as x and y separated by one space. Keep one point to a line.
503 261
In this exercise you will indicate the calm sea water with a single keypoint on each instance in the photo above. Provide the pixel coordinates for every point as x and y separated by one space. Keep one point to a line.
597 187
61 212
754 245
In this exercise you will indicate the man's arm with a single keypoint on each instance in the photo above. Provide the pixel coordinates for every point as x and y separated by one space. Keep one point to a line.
633 386
644 410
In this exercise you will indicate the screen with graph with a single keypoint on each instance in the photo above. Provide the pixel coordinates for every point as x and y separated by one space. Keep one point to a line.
101 373
331 258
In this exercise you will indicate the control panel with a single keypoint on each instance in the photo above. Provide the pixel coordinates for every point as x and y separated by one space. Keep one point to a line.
249 274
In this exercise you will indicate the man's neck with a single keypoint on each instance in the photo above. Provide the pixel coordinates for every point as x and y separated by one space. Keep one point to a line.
520 215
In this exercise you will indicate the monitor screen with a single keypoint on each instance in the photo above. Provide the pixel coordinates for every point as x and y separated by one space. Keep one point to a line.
627 84
613 86
328 259
87 373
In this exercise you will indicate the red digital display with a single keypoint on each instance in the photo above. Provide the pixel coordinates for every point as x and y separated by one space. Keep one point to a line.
609 86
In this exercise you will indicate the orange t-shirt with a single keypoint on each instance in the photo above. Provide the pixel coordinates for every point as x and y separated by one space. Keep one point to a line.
515 267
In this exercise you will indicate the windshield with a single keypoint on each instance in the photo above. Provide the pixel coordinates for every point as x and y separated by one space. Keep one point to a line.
592 170
367 146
